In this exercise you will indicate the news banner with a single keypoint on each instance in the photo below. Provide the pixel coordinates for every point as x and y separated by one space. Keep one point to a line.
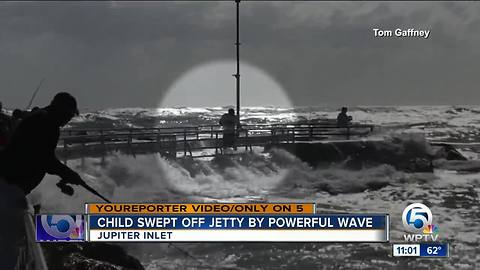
225 222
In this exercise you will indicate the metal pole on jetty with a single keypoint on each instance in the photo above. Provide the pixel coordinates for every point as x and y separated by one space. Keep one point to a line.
237 75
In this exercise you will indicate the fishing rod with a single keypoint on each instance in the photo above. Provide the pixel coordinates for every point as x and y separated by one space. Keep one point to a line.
67 189
34 94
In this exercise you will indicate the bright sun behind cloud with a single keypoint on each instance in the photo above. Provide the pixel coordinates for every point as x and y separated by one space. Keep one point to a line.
213 85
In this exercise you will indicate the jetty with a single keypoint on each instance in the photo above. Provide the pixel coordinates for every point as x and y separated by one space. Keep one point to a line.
196 141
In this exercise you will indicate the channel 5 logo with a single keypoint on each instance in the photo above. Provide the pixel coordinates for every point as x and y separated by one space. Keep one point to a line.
417 219
65 228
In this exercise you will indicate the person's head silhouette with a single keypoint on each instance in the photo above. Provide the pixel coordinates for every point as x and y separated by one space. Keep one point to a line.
63 108
231 111
17 114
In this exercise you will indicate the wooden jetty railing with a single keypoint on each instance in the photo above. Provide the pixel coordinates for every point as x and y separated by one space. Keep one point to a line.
169 141
30 255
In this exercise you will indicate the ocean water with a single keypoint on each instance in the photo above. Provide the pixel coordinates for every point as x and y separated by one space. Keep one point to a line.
451 191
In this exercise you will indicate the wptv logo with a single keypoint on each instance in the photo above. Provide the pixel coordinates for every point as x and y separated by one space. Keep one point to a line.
417 219
60 228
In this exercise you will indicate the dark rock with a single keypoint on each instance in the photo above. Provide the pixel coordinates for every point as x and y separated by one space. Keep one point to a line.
448 152
404 155
377 185
88 256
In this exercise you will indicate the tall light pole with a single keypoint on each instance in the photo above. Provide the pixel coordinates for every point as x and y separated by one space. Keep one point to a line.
237 75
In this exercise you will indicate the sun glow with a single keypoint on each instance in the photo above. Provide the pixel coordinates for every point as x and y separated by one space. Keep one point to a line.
213 85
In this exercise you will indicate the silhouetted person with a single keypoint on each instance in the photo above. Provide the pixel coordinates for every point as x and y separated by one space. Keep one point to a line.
17 116
229 122
343 119
29 155
31 151
5 127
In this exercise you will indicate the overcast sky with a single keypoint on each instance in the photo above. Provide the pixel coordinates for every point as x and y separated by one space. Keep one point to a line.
125 54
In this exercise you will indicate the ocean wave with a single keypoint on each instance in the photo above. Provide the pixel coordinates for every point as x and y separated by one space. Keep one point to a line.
279 173
279 176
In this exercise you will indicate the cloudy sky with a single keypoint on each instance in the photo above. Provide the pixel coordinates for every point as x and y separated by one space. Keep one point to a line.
121 54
